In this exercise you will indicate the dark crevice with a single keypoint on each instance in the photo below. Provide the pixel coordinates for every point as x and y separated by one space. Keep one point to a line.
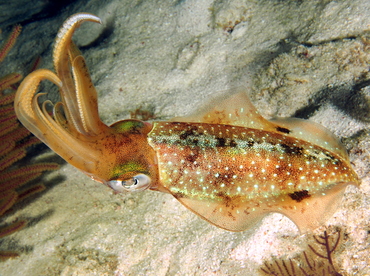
350 100
51 9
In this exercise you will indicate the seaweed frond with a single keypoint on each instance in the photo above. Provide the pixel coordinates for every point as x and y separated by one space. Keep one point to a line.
9 43
315 262
328 249
15 141
279 268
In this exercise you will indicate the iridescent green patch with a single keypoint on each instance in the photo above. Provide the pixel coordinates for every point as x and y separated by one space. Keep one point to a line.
128 126
125 170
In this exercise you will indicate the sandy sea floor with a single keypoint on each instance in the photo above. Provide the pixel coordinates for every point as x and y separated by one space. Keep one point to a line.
296 58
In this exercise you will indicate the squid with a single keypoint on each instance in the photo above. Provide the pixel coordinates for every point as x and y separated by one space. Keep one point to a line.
226 163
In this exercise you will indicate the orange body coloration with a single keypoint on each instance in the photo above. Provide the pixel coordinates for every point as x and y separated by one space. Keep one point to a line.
227 164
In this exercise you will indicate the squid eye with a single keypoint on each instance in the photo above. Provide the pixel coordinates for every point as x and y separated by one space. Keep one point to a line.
139 182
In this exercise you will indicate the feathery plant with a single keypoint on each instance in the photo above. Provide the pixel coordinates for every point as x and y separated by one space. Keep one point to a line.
15 140
318 260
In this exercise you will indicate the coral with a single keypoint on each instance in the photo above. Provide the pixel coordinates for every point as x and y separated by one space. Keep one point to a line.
15 140
315 262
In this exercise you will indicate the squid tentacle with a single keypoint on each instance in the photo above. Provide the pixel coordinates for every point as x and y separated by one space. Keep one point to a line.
42 125
63 56
75 127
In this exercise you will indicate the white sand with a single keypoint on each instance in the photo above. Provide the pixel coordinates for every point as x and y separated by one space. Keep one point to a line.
170 57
